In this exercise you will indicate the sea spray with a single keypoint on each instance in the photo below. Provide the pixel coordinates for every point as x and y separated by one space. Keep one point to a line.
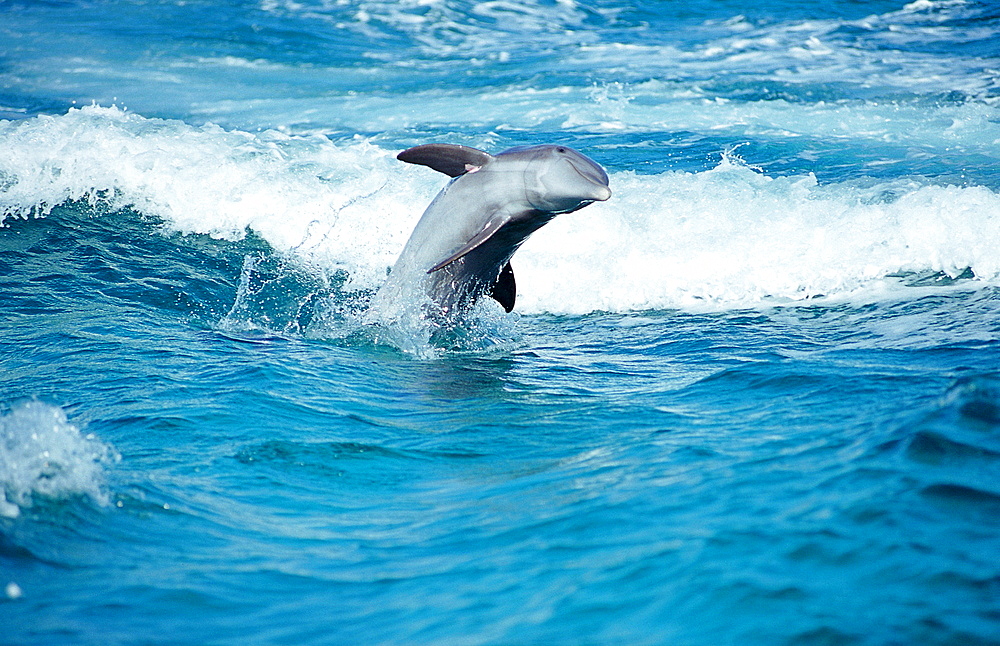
43 454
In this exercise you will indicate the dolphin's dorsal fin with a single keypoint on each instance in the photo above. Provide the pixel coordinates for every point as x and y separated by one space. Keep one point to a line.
494 224
450 159
505 291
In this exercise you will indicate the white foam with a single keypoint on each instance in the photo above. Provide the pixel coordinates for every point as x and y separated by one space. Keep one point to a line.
728 237
43 454
733 237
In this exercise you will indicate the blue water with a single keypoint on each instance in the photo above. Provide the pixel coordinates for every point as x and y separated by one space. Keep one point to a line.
754 398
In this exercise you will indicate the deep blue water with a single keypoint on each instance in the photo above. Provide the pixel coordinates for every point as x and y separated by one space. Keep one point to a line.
754 398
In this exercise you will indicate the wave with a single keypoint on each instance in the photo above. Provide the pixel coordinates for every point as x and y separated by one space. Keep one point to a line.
727 237
733 236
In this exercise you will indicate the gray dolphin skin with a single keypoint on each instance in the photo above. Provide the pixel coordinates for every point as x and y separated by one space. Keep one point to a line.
460 249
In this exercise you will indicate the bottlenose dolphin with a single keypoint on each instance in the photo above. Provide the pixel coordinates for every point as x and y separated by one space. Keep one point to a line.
460 249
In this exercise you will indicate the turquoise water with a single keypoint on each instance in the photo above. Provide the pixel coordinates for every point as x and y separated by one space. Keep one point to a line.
754 398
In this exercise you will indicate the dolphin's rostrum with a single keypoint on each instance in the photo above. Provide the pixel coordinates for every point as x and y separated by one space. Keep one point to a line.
462 245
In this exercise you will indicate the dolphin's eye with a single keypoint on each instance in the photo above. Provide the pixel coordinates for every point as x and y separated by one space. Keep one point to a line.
560 149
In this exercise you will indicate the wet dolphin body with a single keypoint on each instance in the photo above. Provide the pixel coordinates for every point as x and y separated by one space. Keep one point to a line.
460 249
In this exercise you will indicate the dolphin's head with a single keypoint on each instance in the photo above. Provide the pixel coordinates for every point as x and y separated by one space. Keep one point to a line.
558 179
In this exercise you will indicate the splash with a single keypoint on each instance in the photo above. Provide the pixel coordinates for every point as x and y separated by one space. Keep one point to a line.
43 454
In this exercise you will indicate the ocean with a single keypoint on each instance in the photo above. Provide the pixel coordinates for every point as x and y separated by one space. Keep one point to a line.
752 399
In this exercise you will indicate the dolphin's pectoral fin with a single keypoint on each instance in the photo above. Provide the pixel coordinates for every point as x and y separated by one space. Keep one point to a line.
491 227
450 159
505 291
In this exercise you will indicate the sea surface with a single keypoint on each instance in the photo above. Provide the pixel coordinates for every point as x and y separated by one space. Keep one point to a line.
752 399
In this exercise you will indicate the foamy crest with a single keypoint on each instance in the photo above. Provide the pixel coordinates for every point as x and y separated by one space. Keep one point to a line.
42 454
337 207
734 237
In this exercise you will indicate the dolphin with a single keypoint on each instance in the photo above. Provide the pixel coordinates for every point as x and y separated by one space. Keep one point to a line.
461 248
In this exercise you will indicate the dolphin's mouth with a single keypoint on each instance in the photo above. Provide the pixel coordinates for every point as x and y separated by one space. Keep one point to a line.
558 179
594 175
